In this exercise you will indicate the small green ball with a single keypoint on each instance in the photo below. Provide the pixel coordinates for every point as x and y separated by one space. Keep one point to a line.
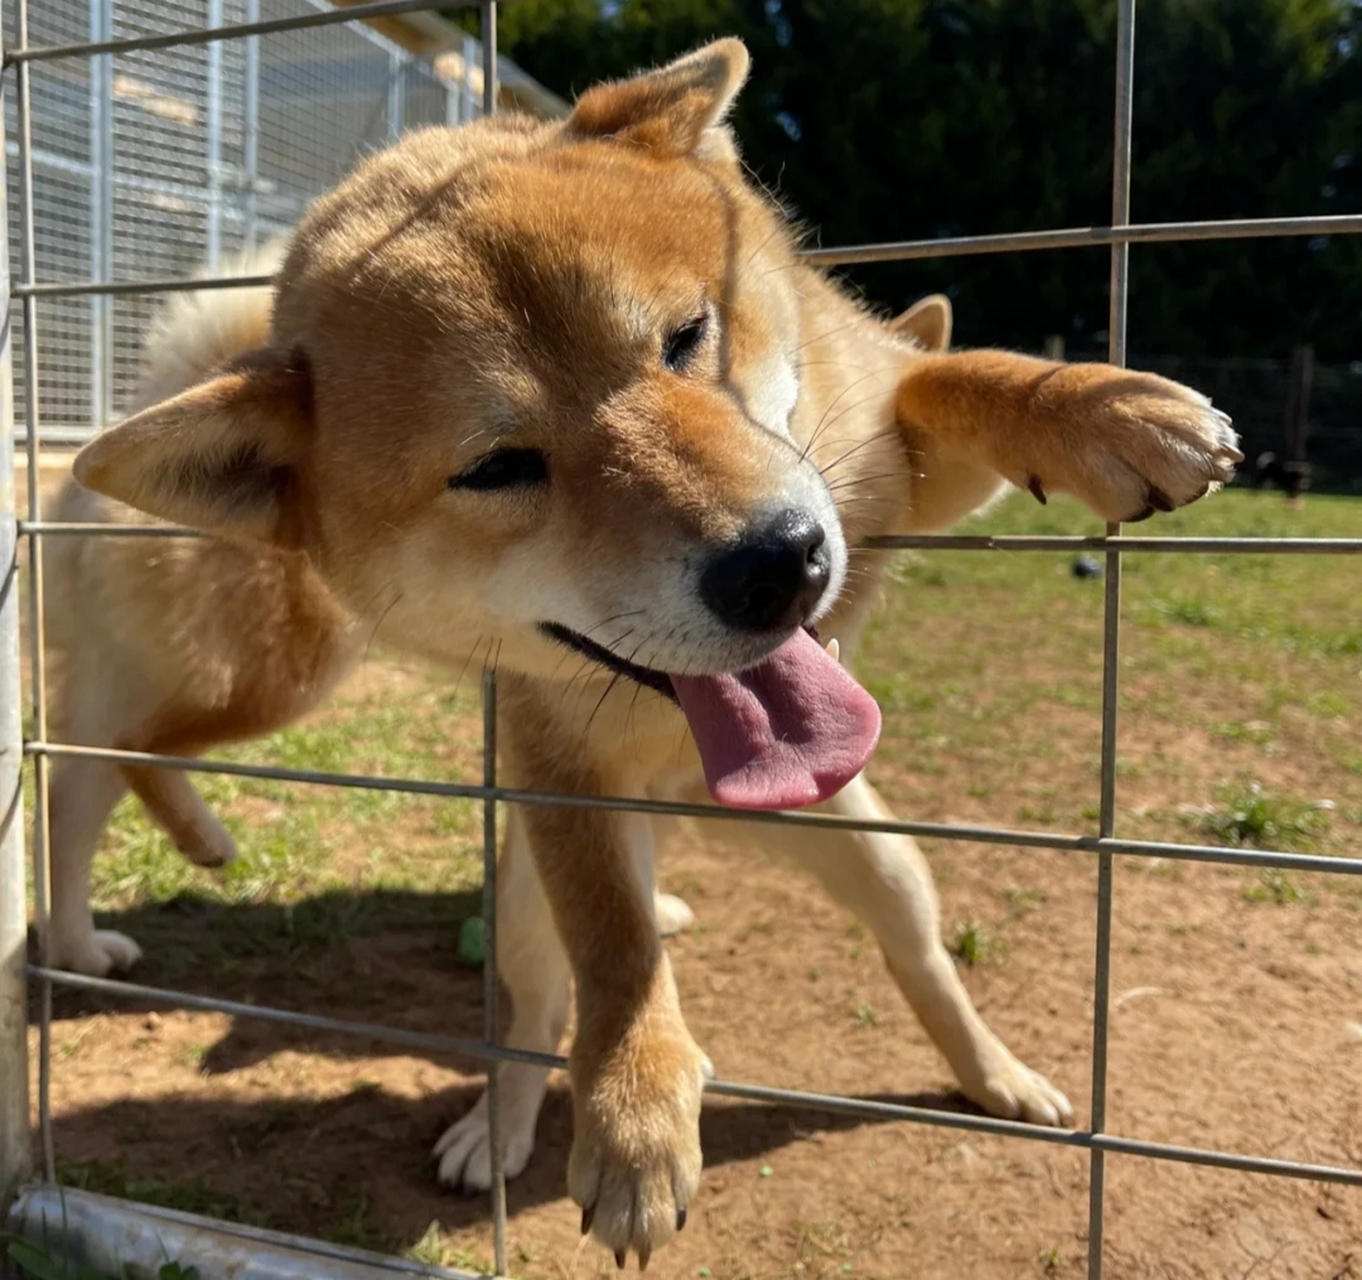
472 942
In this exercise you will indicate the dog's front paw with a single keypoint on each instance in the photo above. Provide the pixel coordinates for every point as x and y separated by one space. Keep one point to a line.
1010 1090
97 952
1136 443
635 1164
464 1152
673 914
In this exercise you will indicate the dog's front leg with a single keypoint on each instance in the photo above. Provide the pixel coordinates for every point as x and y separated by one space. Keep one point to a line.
884 880
1126 443
637 1075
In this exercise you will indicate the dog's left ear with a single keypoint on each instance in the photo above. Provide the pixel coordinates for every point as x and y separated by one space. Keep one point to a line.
927 322
675 111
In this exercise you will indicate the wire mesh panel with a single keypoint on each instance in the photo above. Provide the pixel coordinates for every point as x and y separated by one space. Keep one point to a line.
149 158
156 163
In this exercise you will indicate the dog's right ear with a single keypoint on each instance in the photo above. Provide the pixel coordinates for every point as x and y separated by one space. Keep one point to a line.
928 322
219 457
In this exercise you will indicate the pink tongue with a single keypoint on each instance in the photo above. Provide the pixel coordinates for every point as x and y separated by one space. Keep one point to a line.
790 732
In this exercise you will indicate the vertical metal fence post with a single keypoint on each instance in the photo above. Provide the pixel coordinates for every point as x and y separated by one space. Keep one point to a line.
489 59
250 148
213 139
99 268
489 966
397 70
42 895
488 31
466 100
1111 644
15 1139
104 335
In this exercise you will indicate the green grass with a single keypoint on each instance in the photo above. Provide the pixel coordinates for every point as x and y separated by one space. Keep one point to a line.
989 669
319 856
348 1219
1249 815
187 1195
1276 886
973 944
34 1261
864 1017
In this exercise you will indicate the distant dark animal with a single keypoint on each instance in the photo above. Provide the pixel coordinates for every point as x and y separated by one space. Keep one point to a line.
1270 471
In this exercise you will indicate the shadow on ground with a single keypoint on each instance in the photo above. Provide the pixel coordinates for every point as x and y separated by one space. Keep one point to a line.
353 1168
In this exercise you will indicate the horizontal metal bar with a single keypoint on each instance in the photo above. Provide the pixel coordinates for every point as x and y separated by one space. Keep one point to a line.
65 436
887 542
308 1021
1037 1133
233 31
117 1237
1099 542
1226 1160
866 1108
1078 237
627 804
120 288
100 529
1086 238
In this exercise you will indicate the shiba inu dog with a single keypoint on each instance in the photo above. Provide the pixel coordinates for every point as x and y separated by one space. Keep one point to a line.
563 398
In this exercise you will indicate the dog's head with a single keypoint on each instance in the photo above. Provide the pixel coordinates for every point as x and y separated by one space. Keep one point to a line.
529 388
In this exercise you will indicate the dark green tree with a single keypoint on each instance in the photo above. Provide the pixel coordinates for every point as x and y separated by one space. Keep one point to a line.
908 119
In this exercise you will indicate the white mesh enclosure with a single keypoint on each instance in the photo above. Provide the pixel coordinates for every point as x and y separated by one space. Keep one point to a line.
148 164
155 163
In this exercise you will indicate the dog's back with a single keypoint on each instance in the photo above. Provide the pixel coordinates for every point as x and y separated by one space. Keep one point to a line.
138 624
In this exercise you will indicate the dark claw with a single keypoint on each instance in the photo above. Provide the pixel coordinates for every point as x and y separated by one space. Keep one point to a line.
1037 489
644 1253
681 1219
1159 500
588 1216
1143 515
620 1256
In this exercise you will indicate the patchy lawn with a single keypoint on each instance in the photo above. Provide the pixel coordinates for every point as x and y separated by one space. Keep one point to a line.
1237 1015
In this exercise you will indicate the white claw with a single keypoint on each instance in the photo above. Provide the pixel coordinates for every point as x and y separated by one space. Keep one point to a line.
834 650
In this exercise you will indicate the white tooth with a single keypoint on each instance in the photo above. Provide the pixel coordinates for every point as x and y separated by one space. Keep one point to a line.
834 650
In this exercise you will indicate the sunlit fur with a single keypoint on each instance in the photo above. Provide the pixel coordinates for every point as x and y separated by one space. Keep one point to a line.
514 283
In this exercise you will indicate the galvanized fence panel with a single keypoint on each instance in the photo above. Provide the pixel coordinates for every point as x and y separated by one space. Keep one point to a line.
286 158
154 162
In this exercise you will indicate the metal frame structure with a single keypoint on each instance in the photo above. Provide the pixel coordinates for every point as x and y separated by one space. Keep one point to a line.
18 981
170 160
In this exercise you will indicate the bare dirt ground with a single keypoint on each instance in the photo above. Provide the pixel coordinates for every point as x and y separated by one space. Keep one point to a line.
1236 998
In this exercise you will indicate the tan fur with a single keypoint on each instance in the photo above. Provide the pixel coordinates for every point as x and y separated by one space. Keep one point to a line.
512 284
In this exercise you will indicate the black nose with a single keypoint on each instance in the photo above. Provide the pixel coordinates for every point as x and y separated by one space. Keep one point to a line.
773 578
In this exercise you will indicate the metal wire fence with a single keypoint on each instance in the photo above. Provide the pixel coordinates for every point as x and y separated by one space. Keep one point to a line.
161 160
233 22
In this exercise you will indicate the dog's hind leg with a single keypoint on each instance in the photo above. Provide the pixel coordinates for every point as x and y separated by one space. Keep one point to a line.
673 914
81 796
534 969
172 802
885 881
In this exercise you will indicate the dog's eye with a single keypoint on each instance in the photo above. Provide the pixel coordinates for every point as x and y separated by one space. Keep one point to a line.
680 345
504 469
